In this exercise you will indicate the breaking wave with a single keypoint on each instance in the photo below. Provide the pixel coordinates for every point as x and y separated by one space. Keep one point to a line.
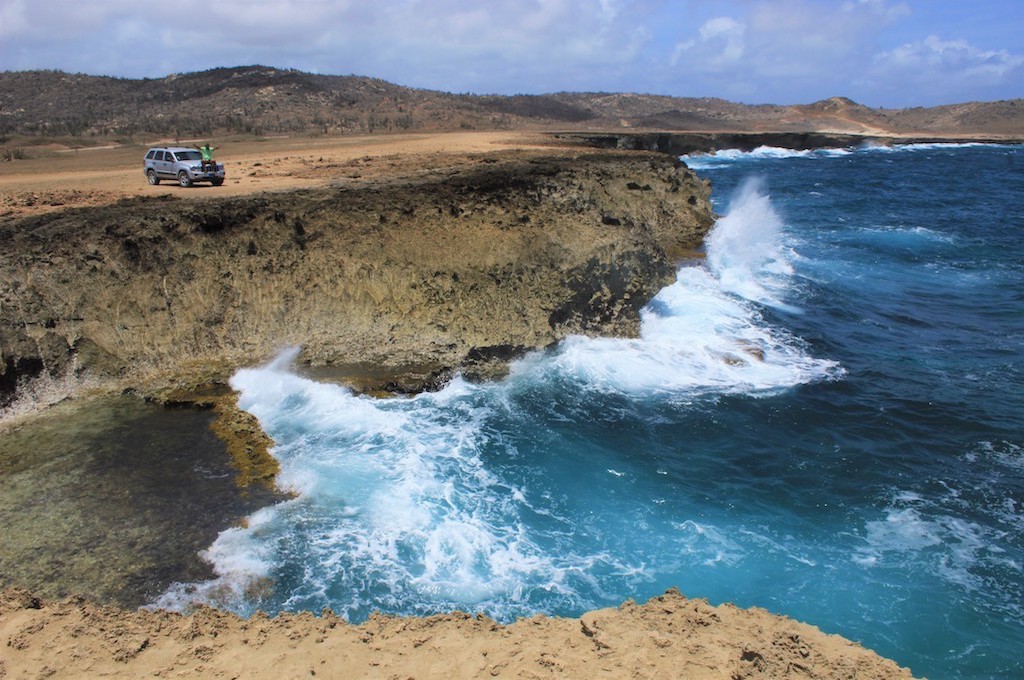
452 499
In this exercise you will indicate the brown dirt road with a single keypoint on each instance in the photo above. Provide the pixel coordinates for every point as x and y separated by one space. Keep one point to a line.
56 178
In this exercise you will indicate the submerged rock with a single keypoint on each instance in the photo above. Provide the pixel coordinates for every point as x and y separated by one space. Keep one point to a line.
114 498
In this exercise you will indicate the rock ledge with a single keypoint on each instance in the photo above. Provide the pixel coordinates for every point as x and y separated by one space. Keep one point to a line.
395 284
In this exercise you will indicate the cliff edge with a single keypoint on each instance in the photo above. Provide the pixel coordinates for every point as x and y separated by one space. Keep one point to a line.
670 636
395 284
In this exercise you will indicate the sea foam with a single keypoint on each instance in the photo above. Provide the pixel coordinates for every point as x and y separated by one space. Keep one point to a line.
724 157
706 333
399 507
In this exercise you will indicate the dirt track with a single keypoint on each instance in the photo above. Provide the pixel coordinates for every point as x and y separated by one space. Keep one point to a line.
54 178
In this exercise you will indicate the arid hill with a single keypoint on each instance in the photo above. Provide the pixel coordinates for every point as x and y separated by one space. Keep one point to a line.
261 100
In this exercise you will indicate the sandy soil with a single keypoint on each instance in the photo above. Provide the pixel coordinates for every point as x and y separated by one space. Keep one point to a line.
54 178
668 637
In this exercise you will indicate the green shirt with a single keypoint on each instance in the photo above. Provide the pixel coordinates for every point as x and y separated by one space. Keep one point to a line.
207 152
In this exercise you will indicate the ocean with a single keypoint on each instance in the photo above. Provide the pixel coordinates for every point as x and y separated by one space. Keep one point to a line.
824 417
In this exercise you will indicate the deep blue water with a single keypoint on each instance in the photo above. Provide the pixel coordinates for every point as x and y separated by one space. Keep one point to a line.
824 418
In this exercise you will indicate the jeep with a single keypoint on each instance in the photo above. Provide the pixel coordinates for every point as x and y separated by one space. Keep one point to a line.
180 163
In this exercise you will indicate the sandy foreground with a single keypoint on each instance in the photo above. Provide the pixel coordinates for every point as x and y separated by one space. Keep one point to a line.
668 637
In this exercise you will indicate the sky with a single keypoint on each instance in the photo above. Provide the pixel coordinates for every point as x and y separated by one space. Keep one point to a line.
881 53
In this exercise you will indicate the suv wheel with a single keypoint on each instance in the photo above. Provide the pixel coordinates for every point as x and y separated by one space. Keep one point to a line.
184 180
216 182
151 176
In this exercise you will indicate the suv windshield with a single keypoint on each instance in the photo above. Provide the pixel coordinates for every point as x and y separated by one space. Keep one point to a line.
188 155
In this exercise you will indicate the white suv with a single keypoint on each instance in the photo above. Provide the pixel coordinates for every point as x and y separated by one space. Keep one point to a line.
180 163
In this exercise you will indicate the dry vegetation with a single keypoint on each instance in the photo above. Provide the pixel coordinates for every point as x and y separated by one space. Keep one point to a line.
40 107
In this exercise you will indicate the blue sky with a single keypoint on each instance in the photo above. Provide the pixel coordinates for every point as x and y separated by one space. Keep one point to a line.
889 53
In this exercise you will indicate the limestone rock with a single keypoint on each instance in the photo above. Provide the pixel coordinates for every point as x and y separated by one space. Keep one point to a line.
462 269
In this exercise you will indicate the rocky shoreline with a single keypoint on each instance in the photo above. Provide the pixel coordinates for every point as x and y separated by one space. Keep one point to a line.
390 285
115 499
461 271
681 143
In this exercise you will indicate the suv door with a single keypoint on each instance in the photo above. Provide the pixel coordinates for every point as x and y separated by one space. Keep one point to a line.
164 163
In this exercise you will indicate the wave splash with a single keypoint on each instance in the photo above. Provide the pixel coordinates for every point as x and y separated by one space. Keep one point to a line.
718 159
706 333
746 251
409 505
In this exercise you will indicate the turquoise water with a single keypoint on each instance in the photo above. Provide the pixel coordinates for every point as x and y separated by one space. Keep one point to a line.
824 418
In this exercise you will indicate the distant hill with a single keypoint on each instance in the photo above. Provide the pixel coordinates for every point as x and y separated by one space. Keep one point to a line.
262 100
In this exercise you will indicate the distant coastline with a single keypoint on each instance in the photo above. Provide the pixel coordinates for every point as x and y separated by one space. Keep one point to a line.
680 143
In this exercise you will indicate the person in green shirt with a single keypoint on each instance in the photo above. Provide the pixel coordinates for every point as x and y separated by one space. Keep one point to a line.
207 152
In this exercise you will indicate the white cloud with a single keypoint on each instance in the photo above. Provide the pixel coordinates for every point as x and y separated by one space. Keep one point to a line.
776 48
13 18
785 51
800 39
719 44
930 69
450 44
540 29
882 9
934 60
552 44
721 27
729 33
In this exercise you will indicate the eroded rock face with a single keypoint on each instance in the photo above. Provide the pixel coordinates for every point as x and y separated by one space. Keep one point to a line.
508 253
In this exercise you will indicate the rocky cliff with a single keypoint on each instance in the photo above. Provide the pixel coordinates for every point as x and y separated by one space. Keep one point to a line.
397 283
679 143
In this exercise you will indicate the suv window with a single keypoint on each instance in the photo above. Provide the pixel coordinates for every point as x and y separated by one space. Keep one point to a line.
151 154
159 155
189 155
